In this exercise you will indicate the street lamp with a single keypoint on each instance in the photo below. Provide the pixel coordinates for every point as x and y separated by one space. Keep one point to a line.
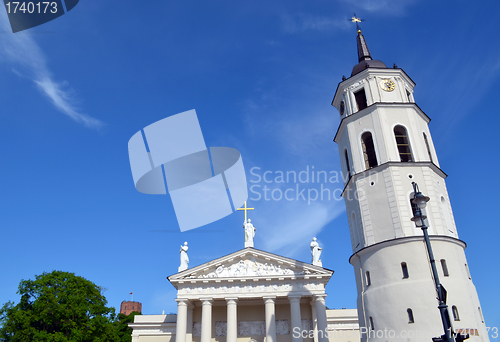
420 202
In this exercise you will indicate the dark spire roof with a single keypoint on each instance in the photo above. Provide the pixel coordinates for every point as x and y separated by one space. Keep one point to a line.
363 52
364 57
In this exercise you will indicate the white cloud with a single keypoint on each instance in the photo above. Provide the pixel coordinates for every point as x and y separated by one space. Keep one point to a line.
20 49
301 134
302 22
386 6
300 130
288 227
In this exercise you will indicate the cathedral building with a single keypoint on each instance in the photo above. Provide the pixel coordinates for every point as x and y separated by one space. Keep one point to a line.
250 295
253 295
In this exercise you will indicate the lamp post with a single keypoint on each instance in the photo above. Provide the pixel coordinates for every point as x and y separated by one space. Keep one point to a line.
420 202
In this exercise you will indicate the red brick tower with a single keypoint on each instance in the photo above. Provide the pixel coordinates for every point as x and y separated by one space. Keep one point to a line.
128 306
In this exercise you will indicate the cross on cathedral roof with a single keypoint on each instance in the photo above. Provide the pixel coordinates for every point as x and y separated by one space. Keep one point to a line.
245 209
248 227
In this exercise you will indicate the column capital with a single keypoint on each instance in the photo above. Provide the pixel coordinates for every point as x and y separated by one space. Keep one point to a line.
294 298
182 301
231 300
206 301
269 299
319 297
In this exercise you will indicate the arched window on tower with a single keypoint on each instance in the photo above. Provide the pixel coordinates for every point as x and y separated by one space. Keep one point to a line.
403 144
447 215
369 154
368 279
404 268
467 270
456 317
408 95
428 148
445 268
410 316
348 167
372 327
360 97
355 231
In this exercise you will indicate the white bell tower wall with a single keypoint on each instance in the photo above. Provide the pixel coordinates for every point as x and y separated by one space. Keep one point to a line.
384 145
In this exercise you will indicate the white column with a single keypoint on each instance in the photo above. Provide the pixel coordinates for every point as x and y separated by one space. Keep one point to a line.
295 318
189 328
232 320
315 320
321 315
270 319
180 332
206 319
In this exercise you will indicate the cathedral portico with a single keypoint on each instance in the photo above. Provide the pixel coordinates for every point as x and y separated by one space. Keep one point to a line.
247 295
262 318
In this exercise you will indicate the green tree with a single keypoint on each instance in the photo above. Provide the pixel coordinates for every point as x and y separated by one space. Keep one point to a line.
124 332
58 307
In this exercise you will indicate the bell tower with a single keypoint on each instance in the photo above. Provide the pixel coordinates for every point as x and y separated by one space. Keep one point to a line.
384 145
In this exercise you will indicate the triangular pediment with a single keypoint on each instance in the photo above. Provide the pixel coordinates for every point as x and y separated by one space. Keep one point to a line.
250 263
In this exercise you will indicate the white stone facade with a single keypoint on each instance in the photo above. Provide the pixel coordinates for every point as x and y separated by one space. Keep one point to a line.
250 295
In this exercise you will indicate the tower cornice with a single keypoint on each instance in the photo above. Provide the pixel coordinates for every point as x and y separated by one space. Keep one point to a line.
348 119
381 167
407 239
364 74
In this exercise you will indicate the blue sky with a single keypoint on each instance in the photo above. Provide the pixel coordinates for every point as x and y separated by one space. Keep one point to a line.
261 76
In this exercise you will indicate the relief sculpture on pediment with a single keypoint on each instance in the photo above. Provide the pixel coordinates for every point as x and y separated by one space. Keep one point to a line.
250 268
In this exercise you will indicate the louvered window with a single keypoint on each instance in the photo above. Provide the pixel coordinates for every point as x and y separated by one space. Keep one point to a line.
369 154
403 144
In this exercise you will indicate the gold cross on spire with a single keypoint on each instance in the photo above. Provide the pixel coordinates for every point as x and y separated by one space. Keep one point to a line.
246 209
356 20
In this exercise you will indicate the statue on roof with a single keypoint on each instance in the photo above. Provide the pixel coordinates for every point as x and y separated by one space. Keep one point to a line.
184 257
249 233
316 253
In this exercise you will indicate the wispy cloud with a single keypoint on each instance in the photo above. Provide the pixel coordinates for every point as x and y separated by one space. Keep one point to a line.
288 228
21 51
386 6
303 22
299 131
293 211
